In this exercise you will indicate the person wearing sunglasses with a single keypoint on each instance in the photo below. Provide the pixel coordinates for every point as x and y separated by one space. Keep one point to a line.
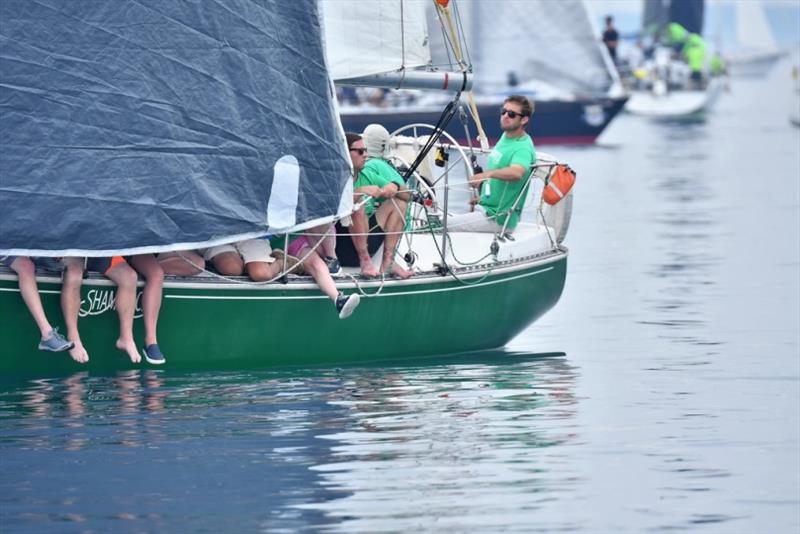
500 189
381 219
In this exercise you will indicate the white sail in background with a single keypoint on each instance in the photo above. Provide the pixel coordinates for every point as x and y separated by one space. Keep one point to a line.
538 40
757 51
367 37
752 29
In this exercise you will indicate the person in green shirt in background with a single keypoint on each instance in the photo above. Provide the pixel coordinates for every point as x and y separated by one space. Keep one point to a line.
692 48
694 51
500 187
717 65
675 35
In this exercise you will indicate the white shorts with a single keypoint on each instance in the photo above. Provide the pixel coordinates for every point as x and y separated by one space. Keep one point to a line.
476 221
250 250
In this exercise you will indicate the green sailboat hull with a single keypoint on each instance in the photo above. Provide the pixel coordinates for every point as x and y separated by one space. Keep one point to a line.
205 324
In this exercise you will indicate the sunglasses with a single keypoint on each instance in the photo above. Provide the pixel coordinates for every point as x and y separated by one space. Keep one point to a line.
511 114
360 151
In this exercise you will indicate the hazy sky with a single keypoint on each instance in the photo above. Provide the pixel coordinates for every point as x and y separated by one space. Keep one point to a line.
783 16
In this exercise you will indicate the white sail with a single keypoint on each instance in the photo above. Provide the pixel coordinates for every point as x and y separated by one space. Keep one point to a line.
367 37
752 29
756 51
537 40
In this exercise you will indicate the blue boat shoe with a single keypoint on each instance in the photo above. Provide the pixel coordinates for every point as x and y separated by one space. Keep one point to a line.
347 304
334 267
153 354
55 342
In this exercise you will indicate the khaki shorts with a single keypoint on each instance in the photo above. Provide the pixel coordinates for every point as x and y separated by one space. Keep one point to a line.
250 250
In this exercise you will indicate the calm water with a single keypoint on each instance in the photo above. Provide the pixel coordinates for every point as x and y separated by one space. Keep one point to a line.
662 393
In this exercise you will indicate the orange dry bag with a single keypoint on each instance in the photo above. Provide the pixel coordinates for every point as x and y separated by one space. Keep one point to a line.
561 181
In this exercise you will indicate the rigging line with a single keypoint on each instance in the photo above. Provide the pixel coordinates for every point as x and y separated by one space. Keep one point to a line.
473 159
448 45
450 271
362 291
430 229
540 211
450 166
546 228
460 29
466 263
513 207
402 38
284 271
444 120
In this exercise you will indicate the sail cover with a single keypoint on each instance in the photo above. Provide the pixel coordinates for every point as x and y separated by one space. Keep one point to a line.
540 40
366 37
143 126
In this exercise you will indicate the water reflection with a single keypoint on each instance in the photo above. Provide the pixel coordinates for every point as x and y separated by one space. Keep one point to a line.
70 403
288 450
685 264
451 442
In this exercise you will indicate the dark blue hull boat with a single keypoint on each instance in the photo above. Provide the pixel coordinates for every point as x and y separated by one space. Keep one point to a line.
563 122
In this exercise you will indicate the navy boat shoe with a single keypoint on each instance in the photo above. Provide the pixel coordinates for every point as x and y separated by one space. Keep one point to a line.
153 354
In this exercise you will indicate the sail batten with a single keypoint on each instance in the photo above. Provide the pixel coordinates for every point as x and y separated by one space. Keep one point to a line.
155 126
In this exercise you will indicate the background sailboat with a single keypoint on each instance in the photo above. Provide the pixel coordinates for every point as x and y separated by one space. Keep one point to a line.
547 50
660 96
756 51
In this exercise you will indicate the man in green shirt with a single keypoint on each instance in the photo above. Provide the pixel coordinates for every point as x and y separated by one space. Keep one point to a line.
382 218
503 186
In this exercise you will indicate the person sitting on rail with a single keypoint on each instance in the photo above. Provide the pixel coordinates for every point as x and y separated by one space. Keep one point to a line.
181 262
251 256
309 251
382 218
51 340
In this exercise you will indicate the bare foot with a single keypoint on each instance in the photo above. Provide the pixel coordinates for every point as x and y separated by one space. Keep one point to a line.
130 348
368 269
78 353
399 271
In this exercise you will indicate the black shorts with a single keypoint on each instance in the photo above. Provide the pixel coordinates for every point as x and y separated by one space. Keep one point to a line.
104 265
346 251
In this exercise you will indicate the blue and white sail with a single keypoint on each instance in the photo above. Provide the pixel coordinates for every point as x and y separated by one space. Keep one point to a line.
146 126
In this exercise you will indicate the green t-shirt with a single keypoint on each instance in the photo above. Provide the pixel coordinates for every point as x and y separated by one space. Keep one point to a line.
280 241
695 52
676 33
377 172
717 65
498 196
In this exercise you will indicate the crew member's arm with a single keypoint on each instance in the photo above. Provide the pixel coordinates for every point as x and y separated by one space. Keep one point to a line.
512 173
372 190
392 189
